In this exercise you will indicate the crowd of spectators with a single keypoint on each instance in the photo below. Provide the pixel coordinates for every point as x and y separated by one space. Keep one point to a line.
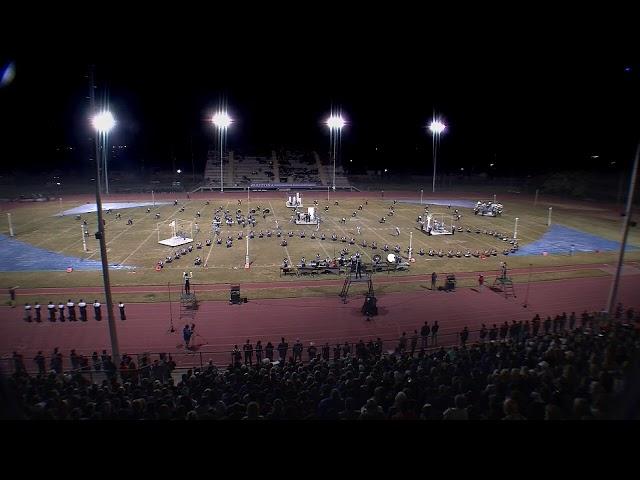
574 374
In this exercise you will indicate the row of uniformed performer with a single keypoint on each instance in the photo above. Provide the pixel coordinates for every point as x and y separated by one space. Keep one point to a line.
57 312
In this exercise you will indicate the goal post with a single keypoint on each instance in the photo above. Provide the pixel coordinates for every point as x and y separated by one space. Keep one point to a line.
173 233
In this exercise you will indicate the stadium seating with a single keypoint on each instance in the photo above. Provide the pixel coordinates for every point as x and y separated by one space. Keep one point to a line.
577 374
290 167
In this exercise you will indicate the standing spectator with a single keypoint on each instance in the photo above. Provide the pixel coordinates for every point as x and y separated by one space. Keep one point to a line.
563 321
526 329
414 342
104 358
536 325
493 333
547 325
504 329
424 333
56 361
434 280
248 353
378 347
402 343
346 349
122 315
483 333
283 347
326 351
96 361
336 352
464 335
268 351
434 333
27 312
39 359
297 351
18 364
480 281
74 360
572 321
312 351
236 356
259 352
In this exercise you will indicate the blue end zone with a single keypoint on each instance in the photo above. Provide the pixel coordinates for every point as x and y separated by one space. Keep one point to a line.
91 207
17 256
558 240
453 202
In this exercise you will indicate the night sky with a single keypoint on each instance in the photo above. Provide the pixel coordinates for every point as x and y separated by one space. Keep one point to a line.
529 110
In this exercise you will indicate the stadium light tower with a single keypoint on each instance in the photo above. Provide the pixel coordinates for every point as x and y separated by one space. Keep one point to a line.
222 121
436 127
103 122
335 122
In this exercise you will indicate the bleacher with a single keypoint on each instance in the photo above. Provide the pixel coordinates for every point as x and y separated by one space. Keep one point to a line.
282 168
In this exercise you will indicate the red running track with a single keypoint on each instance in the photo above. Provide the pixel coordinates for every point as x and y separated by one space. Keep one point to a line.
311 319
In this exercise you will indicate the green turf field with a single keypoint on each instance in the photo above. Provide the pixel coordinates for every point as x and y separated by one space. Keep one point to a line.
137 245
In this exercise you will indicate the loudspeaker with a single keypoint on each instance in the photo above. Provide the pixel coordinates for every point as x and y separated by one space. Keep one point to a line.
369 308
234 295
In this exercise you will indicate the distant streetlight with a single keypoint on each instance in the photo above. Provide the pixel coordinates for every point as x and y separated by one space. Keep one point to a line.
436 127
336 123
104 122
222 121
382 187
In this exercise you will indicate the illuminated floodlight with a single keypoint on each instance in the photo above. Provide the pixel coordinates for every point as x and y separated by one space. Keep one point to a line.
103 122
179 171
335 122
437 127
222 120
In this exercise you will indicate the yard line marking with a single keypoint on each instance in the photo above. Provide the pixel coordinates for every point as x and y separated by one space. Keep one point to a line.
137 248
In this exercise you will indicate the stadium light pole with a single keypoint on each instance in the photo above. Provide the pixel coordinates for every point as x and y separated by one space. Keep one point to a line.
613 293
103 122
222 121
436 127
335 122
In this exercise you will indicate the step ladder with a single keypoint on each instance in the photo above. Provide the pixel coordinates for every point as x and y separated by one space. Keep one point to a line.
351 278
505 285
188 304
